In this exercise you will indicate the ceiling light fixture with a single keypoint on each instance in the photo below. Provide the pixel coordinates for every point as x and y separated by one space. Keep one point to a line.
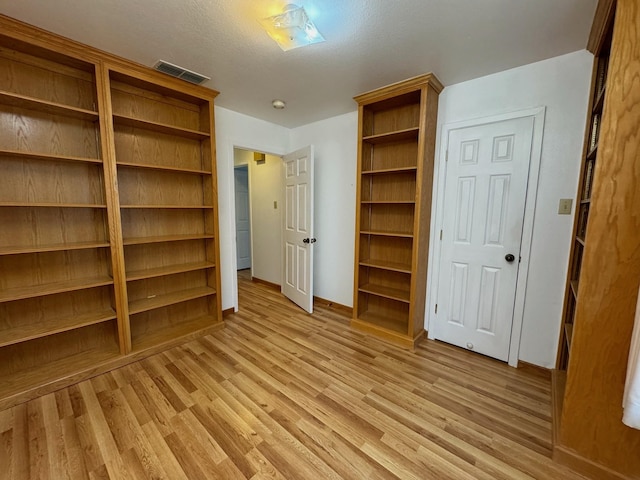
278 104
292 28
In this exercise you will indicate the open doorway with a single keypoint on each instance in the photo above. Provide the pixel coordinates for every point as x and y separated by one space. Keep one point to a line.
258 197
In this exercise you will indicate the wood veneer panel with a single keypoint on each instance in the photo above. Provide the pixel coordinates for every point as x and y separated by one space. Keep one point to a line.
32 131
56 83
142 103
36 181
390 187
158 223
138 146
159 255
608 290
32 228
142 187
387 218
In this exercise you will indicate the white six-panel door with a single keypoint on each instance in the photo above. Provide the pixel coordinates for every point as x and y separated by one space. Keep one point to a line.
484 199
298 238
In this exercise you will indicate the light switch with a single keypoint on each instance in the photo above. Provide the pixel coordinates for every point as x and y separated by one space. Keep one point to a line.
564 207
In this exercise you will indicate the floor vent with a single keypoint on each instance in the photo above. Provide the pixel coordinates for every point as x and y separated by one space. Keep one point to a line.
179 72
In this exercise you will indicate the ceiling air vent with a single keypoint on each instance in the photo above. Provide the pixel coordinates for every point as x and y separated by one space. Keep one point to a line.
179 72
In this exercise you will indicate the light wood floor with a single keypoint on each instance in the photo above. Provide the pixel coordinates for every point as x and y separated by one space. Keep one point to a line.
281 394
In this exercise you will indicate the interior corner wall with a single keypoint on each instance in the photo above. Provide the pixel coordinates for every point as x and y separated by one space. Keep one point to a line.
237 130
562 85
335 150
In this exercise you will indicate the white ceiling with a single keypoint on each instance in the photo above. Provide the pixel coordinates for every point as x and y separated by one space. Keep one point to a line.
370 43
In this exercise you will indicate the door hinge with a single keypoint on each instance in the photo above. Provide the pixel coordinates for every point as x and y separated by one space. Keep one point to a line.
440 234
446 155
436 308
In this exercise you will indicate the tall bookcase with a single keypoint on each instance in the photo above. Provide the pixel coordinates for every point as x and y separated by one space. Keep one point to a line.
167 208
585 188
108 208
396 141
589 434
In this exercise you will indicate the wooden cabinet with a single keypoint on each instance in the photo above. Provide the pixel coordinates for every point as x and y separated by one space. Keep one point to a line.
590 435
396 138
108 245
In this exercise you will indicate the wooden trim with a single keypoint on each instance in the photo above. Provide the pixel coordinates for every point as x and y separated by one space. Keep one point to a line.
334 305
582 465
113 208
273 286
228 311
601 20
399 88
558 386
543 372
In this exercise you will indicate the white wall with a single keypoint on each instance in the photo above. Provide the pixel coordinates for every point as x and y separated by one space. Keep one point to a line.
562 85
237 130
335 144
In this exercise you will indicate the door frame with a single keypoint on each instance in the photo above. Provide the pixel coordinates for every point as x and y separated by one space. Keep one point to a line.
231 145
437 216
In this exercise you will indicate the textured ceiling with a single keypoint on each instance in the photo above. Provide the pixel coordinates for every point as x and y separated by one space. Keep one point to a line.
370 43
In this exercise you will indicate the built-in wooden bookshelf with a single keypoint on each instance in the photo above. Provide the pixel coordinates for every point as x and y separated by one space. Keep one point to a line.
108 245
585 188
397 126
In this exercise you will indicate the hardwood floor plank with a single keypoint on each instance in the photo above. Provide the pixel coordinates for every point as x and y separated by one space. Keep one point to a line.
281 394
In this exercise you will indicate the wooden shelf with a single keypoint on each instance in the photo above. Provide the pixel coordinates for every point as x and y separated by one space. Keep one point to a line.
52 205
580 240
54 247
146 304
387 234
574 288
165 238
592 153
47 157
386 292
174 207
163 168
51 326
384 171
30 291
568 332
169 334
72 365
30 103
169 270
62 211
385 322
160 127
397 136
599 103
392 266
586 201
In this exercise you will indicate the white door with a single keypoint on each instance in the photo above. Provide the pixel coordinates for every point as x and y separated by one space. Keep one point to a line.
486 178
297 257
243 224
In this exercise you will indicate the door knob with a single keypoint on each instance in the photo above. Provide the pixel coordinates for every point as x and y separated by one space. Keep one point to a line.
509 257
